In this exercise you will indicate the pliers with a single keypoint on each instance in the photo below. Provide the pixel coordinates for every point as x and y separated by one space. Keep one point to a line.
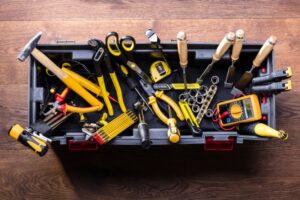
101 54
153 95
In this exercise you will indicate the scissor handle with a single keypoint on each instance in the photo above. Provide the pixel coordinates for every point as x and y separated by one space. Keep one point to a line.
112 43
127 43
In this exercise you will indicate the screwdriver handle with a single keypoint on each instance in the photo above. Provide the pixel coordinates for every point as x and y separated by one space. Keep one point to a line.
264 51
238 44
224 46
182 49
20 134
173 131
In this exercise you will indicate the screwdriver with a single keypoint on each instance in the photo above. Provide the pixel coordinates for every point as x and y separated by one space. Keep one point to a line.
221 50
173 131
236 50
183 55
143 127
25 137
131 83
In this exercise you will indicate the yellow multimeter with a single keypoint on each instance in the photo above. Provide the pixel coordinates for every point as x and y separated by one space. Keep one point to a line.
241 110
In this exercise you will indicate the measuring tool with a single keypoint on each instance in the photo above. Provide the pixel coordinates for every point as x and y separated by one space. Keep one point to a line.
241 110
159 70
221 50
260 57
236 50
262 130
183 56
173 131
176 86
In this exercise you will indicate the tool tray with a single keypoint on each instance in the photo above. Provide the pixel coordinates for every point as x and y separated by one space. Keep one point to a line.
199 56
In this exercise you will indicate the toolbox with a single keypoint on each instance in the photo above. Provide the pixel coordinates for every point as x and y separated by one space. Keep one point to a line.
199 56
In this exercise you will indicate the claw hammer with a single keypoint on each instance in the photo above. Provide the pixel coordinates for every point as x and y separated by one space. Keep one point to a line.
30 49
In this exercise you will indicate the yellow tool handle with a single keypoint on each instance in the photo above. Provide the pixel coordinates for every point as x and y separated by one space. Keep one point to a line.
190 86
173 131
84 82
238 44
65 78
118 89
157 111
105 95
171 102
38 146
264 51
224 46
81 110
188 113
266 131
182 49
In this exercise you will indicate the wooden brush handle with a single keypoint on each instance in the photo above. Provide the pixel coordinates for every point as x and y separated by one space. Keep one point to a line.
264 51
182 49
224 46
238 44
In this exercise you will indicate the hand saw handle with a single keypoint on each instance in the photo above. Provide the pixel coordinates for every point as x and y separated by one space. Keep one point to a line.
224 46
182 49
264 51
238 44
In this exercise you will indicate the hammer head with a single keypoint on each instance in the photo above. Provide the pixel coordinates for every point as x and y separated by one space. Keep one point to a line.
26 51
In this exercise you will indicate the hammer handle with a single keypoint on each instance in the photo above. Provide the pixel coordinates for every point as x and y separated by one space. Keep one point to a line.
65 78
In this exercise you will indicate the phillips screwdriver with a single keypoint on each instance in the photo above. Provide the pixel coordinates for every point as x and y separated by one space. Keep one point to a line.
183 55
260 57
236 50
221 50
173 131
143 127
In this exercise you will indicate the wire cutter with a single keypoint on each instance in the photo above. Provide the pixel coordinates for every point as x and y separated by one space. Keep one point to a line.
123 50
153 95
100 55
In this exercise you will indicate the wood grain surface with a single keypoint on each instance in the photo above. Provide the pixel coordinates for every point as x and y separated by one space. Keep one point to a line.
256 170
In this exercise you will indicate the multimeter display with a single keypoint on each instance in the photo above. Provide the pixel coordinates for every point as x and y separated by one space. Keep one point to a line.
244 109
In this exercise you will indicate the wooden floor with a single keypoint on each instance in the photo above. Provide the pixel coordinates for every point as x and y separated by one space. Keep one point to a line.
258 170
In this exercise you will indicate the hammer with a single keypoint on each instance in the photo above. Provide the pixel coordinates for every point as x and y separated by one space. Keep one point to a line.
30 49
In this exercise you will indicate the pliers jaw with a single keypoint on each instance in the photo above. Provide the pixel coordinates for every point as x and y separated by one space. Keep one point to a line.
147 88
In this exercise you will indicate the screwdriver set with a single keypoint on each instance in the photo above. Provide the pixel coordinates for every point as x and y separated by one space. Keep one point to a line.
115 91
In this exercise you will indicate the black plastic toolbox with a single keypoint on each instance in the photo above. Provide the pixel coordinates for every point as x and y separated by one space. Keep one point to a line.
199 57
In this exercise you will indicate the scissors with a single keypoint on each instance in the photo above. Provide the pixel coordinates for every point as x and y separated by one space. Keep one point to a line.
123 49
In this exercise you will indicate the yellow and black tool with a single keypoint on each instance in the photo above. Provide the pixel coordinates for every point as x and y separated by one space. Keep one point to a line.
30 49
123 50
115 127
153 95
176 86
190 118
159 70
262 130
173 131
183 56
101 55
26 138
241 110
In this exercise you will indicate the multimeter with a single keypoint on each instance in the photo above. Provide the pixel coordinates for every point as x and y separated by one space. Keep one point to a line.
241 110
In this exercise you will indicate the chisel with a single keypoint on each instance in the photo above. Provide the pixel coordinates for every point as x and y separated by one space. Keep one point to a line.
221 50
183 55
236 50
260 57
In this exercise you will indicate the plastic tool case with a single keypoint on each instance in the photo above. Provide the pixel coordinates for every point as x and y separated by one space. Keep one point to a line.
199 56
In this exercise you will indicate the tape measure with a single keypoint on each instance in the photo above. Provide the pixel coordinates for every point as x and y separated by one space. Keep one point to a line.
159 70
241 110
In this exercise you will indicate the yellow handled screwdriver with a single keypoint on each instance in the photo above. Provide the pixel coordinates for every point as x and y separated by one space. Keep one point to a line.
173 131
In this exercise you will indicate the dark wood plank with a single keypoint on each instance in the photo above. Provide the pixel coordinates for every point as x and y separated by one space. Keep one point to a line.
155 9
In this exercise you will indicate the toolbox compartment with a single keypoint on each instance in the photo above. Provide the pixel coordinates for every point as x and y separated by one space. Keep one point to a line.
199 57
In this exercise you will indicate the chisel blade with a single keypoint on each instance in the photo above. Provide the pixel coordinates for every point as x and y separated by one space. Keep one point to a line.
229 77
244 80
